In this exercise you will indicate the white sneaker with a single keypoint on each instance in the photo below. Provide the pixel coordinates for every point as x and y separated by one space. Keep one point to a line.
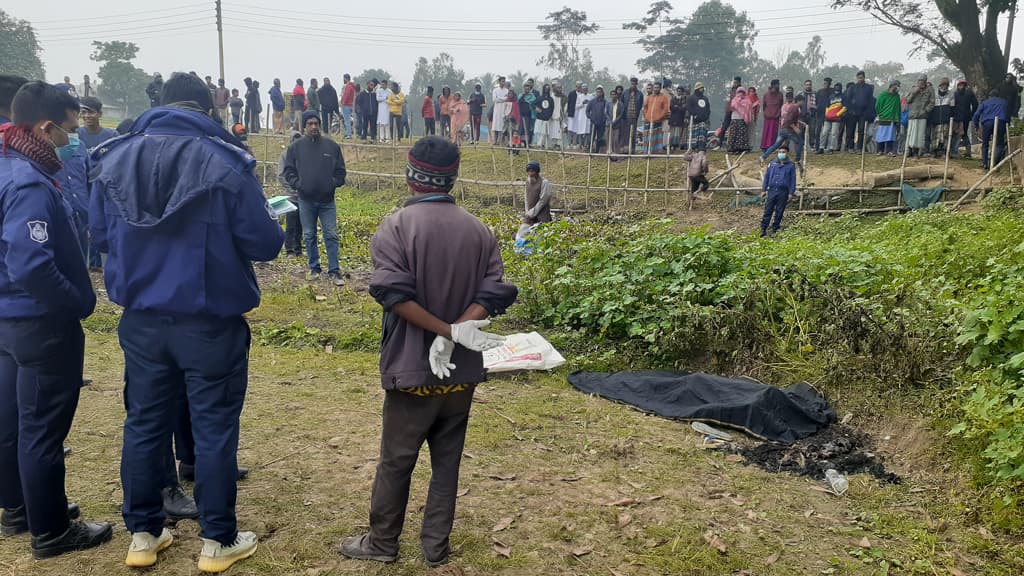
145 547
217 557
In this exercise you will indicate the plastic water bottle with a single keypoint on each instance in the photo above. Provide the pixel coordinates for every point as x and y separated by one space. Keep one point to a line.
837 481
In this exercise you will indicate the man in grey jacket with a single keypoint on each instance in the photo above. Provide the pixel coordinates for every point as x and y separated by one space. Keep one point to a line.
438 274
314 167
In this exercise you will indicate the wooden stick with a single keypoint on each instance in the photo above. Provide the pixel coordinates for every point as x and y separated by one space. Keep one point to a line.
984 178
608 184
689 139
852 211
949 143
903 166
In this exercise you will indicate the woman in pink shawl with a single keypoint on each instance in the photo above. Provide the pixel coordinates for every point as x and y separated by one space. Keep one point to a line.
459 112
738 139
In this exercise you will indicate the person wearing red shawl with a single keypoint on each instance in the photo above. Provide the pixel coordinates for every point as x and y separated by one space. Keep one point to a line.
771 105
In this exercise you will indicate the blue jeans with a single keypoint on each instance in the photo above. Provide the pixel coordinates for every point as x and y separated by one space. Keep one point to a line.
327 214
796 144
775 205
346 116
40 378
206 360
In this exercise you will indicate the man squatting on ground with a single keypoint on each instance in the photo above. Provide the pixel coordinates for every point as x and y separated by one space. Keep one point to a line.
438 275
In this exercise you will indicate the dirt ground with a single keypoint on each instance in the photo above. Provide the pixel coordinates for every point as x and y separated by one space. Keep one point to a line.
553 482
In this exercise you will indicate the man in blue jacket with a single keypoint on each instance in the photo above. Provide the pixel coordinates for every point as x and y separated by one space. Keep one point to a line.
778 188
277 103
45 291
178 209
860 99
994 107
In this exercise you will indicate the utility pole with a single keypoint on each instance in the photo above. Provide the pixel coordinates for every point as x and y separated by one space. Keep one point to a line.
220 37
1009 34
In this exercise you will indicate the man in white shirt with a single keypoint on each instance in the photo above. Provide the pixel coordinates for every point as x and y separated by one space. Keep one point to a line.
501 109
383 111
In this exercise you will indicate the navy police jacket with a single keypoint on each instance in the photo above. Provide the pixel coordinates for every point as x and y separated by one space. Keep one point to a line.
780 177
42 272
176 206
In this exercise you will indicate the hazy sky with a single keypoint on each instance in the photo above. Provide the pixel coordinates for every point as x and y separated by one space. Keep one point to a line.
266 39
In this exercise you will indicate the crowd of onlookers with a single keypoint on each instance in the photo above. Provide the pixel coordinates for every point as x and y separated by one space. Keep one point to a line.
924 119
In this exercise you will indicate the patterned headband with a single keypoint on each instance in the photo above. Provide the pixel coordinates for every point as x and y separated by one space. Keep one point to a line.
427 178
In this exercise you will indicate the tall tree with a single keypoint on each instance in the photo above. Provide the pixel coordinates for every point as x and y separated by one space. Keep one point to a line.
711 46
371 73
965 31
814 55
19 48
121 83
564 31
439 72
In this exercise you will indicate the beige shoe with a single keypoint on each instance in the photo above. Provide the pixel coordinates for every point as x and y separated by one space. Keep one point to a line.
217 557
145 547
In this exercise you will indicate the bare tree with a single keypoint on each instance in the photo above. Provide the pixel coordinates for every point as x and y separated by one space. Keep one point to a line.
564 31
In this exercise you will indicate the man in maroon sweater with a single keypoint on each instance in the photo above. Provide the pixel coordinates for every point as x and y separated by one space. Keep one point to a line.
438 274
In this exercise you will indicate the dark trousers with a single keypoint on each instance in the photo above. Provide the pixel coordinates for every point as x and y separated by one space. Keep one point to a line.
775 205
696 183
206 360
429 127
987 132
184 444
631 136
962 137
855 127
446 126
814 126
367 127
396 126
597 143
252 120
475 122
40 378
326 119
293 233
410 420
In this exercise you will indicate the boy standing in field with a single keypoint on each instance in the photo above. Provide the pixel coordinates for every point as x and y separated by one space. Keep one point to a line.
438 275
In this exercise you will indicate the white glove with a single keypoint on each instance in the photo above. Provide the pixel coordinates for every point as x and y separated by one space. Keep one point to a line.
470 335
440 357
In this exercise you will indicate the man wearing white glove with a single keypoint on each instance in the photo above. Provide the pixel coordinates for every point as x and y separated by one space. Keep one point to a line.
438 275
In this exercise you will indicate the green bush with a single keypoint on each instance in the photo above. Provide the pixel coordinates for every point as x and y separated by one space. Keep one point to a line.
903 301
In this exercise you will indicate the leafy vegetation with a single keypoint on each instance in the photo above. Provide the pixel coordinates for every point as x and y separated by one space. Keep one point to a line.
930 301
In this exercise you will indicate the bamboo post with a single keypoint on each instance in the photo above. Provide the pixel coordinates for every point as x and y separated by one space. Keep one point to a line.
984 178
608 184
995 143
689 139
949 144
668 161
903 166
647 175
590 160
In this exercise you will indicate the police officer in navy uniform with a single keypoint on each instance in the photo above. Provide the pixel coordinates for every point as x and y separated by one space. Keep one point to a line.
45 291
778 188
178 209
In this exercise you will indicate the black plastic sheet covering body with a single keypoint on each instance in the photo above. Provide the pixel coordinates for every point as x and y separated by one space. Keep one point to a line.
777 414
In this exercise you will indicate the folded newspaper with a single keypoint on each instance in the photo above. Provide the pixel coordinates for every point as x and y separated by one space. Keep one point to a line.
523 352
281 205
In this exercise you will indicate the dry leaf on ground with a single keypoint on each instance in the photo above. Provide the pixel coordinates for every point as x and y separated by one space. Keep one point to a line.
622 502
503 524
715 542
502 477
580 551
864 543
625 519
771 559
501 549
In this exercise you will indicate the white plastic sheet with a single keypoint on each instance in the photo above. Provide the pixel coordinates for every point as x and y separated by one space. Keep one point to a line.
523 352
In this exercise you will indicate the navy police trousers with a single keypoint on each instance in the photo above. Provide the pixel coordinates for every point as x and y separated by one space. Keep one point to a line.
207 360
40 378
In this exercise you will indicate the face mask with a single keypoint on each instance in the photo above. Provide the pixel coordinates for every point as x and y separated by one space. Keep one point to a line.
782 156
66 152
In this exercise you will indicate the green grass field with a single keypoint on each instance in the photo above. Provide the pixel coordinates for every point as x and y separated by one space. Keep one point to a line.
541 459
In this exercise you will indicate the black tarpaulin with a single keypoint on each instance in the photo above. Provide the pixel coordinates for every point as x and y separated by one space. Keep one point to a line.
777 414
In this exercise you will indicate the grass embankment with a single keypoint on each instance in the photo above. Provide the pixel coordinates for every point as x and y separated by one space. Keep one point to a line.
546 456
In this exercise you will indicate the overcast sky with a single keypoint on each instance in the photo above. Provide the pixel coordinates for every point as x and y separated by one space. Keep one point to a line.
287 39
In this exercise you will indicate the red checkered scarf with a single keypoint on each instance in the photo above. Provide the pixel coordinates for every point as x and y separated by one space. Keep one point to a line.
22 139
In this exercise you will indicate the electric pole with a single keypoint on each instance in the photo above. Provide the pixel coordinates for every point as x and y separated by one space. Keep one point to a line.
220 38
1009 34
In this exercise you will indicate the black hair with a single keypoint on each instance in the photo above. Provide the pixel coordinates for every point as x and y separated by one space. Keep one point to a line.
125 126
827 79
398 88
298 81
346 77
38 101
186 88
446 88
430 90
92 103
775 82
435 151
312 81
9 86
861 73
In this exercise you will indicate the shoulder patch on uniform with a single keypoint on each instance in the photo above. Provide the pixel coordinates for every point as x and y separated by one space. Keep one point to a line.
37 231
